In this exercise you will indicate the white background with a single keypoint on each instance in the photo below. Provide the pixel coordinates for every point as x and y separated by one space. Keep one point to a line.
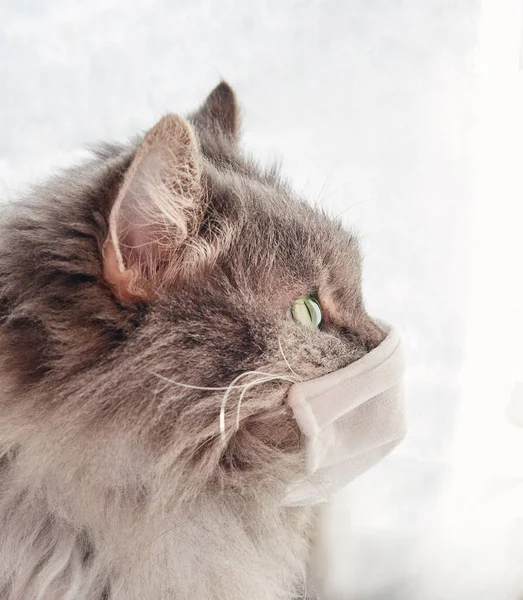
405 116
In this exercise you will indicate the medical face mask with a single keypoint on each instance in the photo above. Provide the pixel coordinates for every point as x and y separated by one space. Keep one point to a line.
350 419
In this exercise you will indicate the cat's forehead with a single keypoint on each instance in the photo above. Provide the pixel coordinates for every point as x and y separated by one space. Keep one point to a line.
271 221
283 246
265 208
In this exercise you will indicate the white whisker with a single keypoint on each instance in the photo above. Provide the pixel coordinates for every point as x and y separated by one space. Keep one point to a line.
252 384
195 387
287 362
265 377
226 395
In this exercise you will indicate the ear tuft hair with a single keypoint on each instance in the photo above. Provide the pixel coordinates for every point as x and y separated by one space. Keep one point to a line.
157 208
220 112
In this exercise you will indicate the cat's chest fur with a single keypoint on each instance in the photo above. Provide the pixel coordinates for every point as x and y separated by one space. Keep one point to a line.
208 550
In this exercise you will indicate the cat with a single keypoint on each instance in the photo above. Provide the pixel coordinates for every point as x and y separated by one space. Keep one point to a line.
147 344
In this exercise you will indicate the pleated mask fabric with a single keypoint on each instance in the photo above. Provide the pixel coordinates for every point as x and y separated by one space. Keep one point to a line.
350 420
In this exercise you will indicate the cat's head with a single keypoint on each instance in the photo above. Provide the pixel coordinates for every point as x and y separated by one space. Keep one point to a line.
164 297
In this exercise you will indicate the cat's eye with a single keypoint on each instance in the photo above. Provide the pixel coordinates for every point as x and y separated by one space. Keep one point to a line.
306 311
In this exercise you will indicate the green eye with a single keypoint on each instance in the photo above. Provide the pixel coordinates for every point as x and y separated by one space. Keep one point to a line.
306 311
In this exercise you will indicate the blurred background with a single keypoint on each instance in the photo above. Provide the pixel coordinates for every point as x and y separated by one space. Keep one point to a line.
403 117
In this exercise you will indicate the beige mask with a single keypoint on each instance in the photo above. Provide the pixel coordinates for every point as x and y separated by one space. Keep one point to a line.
350 420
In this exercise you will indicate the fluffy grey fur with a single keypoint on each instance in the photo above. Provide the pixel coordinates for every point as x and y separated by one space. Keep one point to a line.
115 483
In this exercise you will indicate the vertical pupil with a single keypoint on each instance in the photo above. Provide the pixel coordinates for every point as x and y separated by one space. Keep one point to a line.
306 310
310 310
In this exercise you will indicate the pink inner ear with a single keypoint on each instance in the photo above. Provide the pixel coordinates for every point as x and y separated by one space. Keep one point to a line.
135 220
158 202
121 281
144 222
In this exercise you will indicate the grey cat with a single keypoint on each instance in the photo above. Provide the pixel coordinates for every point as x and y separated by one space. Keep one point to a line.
156 305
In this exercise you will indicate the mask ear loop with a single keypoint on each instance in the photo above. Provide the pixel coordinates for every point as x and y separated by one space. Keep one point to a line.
267 377
252 384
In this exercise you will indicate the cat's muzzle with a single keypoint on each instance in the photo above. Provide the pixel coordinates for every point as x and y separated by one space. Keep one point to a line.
350 419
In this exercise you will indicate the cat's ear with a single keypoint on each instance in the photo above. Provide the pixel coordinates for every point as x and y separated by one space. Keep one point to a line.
220 112
156 209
